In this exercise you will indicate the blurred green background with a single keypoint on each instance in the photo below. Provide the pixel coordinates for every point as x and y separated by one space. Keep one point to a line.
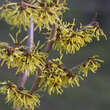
94 92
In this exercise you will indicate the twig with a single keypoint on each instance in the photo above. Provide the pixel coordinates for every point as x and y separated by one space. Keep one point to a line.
36 82
50 43
92 23
24 4
83 63
76 67
68 71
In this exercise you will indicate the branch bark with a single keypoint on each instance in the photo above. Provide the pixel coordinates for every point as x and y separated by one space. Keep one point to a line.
50 43
30 41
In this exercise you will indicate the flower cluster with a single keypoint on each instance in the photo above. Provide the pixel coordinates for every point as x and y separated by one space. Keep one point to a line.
69 40
48 13
20 58
55 77
91 64
44 13
21 99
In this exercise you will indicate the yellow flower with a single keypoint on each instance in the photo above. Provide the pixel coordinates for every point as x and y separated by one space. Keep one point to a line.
20 58
69 40
21 99
43 14
92 64
54 78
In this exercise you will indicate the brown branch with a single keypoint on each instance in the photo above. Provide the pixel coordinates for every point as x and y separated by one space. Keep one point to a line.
23 4
83 63
22 78
93 23
61 1
36 82
50 43
26 4
68 71
76 67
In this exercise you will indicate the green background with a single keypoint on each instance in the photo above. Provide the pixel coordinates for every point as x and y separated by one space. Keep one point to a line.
94 92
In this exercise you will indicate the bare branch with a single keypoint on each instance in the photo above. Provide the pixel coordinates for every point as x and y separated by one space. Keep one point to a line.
50 43
36 82
68 71
24 4
82 63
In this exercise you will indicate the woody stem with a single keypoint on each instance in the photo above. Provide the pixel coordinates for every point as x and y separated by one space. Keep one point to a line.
23 76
